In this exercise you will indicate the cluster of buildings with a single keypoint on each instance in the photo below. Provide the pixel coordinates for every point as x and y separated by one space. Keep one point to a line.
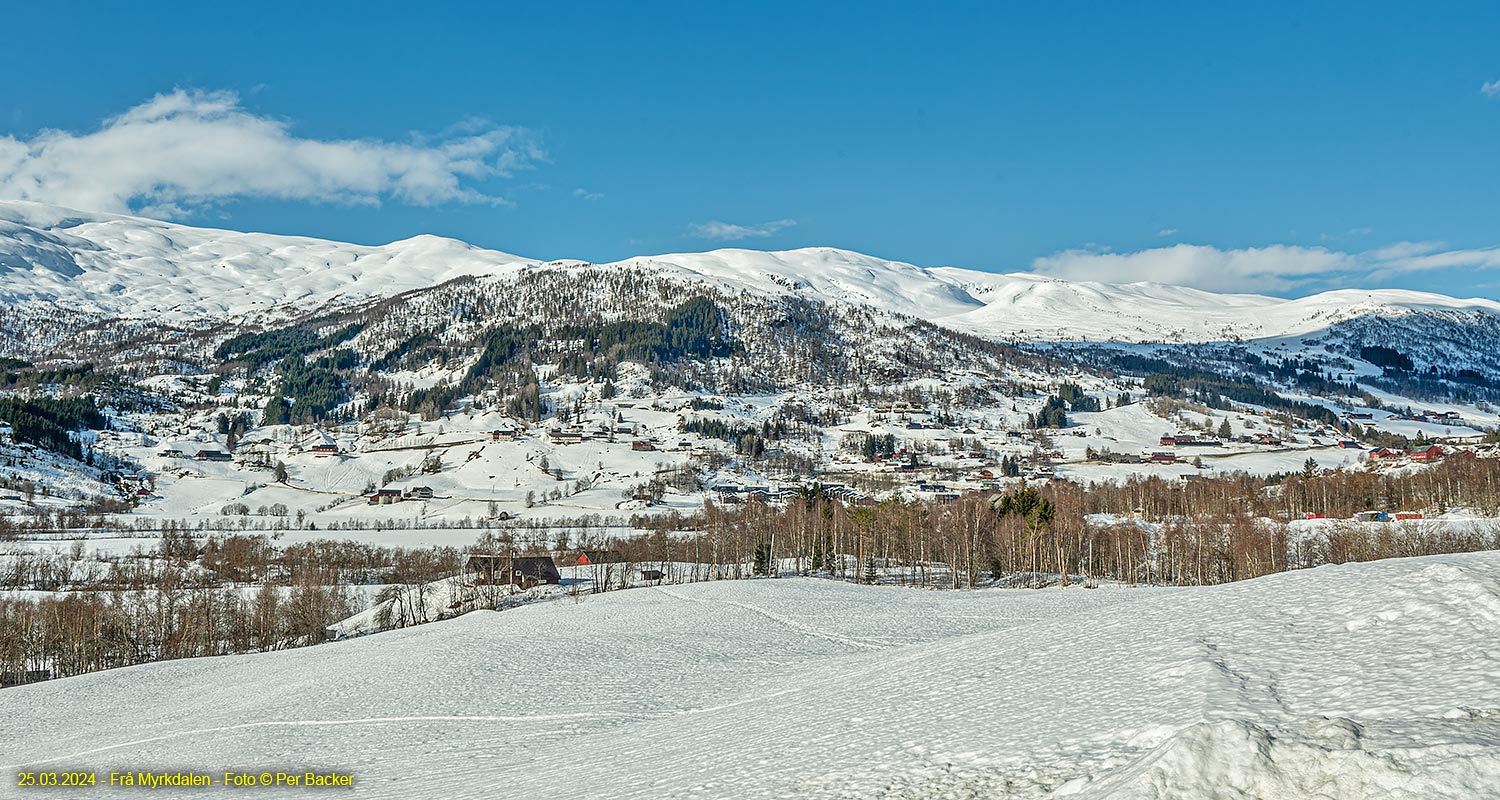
385 497
201 454
527 571
1427 454
1439 417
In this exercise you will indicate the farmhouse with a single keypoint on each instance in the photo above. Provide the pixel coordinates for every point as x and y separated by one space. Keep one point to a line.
212 455
642 446
384 497
324 449
1429 453
522 571
1164 458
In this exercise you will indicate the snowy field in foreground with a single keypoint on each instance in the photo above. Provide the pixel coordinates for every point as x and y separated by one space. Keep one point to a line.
1369 680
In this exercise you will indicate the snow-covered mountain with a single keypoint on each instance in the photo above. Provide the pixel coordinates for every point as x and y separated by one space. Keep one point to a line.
113 265
129 266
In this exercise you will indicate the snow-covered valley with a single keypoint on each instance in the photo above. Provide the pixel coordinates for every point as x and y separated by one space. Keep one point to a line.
234 457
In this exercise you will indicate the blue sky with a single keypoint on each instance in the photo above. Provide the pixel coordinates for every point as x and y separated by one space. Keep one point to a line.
1269 147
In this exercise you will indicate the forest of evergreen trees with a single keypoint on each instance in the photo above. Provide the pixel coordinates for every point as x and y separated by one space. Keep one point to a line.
47 422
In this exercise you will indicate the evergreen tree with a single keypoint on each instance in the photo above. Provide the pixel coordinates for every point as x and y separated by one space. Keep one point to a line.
764 563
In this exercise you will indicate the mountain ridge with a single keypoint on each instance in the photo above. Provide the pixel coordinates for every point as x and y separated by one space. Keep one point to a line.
114 265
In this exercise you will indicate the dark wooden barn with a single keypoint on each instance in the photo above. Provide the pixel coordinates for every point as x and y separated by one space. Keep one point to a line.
522 571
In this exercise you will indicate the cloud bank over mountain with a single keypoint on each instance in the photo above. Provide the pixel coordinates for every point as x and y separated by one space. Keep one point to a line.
187 149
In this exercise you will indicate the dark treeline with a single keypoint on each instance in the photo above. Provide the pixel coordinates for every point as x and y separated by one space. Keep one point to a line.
49 422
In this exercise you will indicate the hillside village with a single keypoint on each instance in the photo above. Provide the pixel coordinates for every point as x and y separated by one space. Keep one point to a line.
676 452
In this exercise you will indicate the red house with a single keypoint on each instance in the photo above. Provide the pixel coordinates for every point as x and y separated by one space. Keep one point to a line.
1429 453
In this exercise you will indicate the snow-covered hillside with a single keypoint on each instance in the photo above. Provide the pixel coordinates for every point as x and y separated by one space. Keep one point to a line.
126 266
1031 307
1362 680
129 266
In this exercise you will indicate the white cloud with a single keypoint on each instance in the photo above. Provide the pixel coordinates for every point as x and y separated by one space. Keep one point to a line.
1256 268
729 232
1261 269
188 149
585 194
1421 256
1491 88
1166 231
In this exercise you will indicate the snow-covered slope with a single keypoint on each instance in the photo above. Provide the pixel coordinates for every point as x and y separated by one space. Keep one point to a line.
1031 307
138 267
1360 680
127 266
823 273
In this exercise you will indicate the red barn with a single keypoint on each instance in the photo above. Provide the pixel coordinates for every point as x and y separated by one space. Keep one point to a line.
591 557
1429 453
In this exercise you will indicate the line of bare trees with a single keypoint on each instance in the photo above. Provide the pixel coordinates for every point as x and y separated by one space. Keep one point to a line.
222 595
71 633
242 592
1144 531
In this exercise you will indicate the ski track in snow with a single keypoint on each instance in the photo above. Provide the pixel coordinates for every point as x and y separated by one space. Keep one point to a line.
790 623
